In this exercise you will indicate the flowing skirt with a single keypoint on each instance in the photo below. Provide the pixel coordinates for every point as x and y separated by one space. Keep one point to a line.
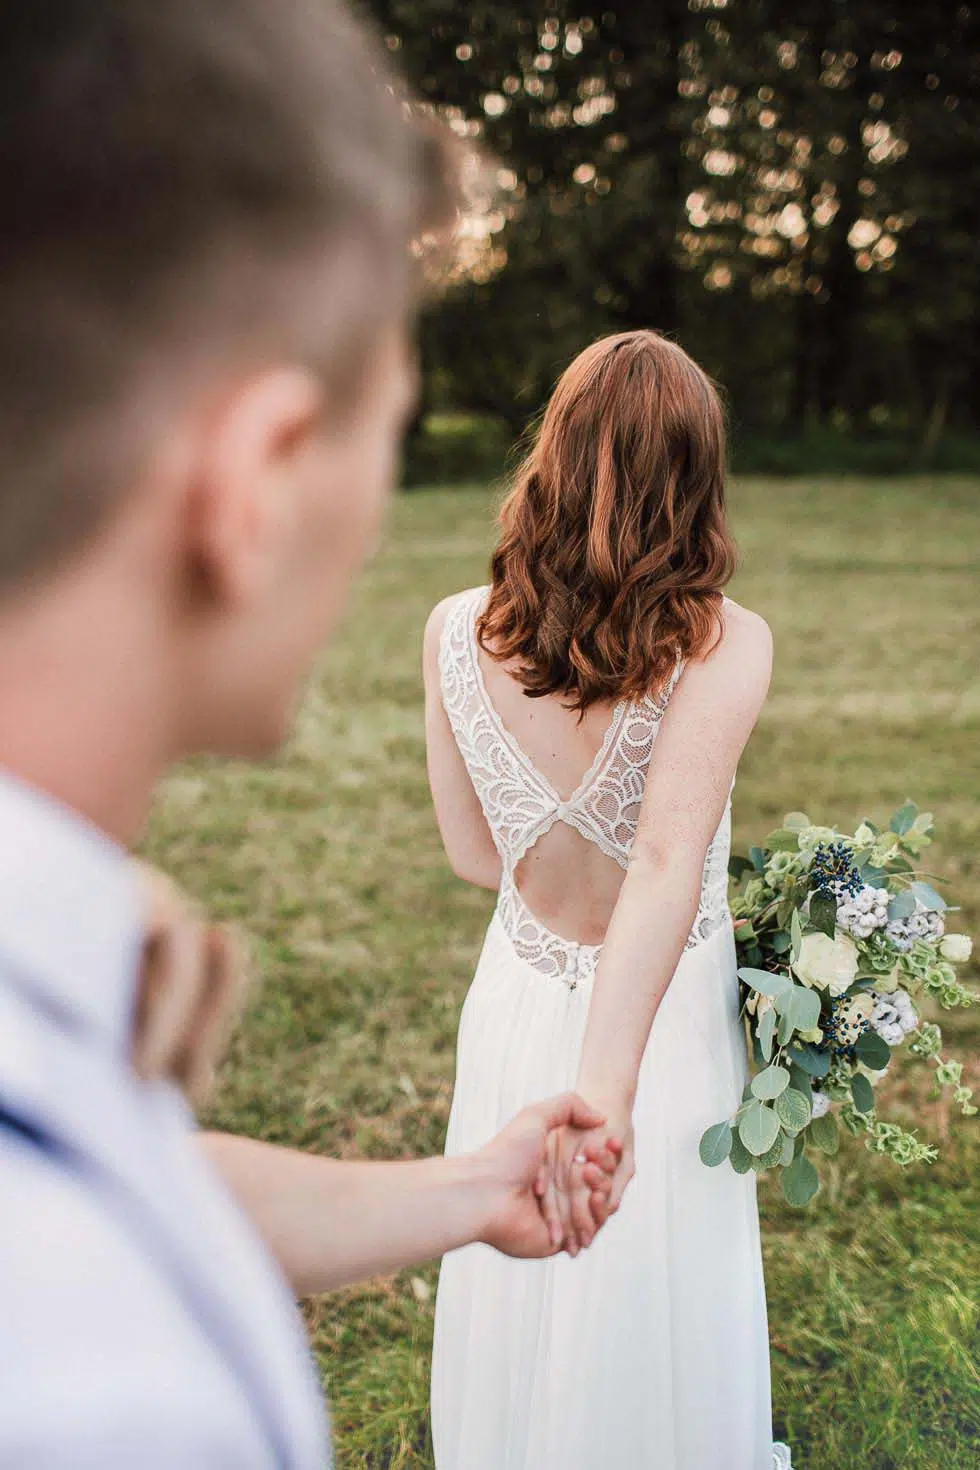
650 1350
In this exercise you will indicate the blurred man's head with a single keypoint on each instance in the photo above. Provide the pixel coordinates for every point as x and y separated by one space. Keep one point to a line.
205 290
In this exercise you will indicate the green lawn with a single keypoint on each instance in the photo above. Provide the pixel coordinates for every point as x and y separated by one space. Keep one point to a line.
366 943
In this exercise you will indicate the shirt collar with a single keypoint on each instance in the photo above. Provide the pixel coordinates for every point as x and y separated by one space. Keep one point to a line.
70 914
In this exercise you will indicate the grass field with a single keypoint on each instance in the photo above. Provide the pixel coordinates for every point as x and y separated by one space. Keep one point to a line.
366 943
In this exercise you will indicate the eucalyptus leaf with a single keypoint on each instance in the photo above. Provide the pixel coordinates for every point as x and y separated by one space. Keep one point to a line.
785 1028
902 906
800 1182
716 1144
758 1128
737 866
872 876
816 1063
799 1079
770 1083
757 858
767 1026
772 1156
862 1093
823 914
739 1158
784 839
797 820
928 897
781 943
764 981
784 1000
793 1110
873 1050
903 819
796 934
787 1149
804 1008
825 1134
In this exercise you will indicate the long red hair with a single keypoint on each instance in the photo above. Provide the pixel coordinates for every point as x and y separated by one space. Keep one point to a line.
614 545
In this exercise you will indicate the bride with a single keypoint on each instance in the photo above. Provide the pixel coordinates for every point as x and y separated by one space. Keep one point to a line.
585 716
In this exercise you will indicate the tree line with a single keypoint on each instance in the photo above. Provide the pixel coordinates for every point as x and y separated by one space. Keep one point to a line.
792 189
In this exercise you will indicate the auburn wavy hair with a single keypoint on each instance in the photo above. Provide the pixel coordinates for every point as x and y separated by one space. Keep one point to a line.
614 545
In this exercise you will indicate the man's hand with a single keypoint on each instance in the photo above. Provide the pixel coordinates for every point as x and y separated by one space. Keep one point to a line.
515 1167
191 986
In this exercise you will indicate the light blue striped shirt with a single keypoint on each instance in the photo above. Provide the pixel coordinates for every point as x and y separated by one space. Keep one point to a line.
143 1326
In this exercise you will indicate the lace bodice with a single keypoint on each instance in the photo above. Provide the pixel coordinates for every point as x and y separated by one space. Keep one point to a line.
521 805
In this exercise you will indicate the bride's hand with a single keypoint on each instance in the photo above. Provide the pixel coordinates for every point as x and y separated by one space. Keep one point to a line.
611 1148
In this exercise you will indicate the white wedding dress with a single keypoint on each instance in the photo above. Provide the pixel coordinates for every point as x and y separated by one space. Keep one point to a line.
650 1350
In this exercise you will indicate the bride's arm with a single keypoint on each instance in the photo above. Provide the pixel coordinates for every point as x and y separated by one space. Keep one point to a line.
462 825
707 723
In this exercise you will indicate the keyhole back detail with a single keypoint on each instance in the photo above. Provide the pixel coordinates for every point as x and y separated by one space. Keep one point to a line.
521 804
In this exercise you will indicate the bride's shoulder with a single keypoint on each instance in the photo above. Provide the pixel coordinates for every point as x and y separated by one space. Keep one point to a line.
436 623
745 641
747 629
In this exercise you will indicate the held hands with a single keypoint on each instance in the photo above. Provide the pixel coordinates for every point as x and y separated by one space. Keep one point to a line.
526 1216
574 1150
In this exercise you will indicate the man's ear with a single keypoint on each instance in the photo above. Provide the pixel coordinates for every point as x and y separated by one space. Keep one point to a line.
241 504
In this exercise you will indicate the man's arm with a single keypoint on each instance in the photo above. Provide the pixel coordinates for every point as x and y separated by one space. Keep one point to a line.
331 1222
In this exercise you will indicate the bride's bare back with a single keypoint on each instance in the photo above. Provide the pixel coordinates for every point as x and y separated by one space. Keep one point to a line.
565 879
540 804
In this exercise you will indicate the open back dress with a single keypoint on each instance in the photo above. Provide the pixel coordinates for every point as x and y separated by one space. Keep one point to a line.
650 1350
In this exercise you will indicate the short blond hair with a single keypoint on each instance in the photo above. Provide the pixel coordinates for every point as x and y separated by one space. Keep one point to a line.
172 174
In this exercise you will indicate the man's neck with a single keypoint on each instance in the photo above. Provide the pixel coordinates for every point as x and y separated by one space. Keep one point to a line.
81 709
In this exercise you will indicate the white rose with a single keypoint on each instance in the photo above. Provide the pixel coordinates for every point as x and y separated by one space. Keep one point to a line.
956 947
827 964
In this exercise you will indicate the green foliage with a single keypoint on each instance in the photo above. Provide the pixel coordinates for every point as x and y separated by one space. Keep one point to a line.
758 1127
716 1144
861 1091
824 1134
800 1182
793 1110
873 1051
823 914
770 1083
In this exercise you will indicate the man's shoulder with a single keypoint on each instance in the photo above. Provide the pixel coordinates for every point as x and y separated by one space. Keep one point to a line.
91 1334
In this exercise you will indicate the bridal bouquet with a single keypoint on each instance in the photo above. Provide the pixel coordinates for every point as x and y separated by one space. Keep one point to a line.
838 937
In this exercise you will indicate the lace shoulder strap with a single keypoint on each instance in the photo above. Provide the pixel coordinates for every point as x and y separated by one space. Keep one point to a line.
516 800
457 675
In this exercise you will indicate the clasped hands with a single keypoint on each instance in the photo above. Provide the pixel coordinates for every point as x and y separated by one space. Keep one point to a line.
587 1170
552 1177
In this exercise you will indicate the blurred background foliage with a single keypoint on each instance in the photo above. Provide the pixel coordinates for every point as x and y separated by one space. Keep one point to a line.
790 187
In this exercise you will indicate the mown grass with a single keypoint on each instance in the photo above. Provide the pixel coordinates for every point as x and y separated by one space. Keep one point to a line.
366 943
